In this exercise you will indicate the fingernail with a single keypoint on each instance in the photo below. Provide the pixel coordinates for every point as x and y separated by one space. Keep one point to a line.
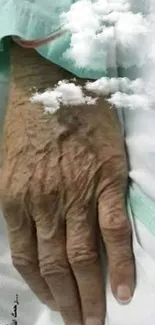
123 294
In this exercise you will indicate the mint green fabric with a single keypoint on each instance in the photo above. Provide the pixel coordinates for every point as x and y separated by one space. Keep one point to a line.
34 19
142 207
4 79
31 19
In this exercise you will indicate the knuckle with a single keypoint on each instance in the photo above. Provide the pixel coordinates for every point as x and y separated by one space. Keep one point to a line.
81 257
24 266
23 252
10 195
54 266
45 188
123 264
116 229
117 222
10 205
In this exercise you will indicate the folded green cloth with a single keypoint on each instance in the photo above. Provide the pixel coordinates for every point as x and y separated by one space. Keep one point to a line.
4 79
33 19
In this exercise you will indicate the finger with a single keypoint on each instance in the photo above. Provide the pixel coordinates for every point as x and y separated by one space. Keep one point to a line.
84 260
23 244
55 268
116 233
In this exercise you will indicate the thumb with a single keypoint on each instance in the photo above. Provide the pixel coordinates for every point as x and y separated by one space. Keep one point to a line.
116 233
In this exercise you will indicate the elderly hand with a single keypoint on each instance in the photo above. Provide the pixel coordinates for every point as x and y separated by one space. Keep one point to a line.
62 176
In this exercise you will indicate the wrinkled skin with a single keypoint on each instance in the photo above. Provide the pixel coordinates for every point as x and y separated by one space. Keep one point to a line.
64 178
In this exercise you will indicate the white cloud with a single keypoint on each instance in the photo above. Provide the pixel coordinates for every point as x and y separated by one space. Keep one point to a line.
64 93
98 28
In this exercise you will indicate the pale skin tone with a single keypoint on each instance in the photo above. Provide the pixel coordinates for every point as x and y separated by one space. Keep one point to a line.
63 180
